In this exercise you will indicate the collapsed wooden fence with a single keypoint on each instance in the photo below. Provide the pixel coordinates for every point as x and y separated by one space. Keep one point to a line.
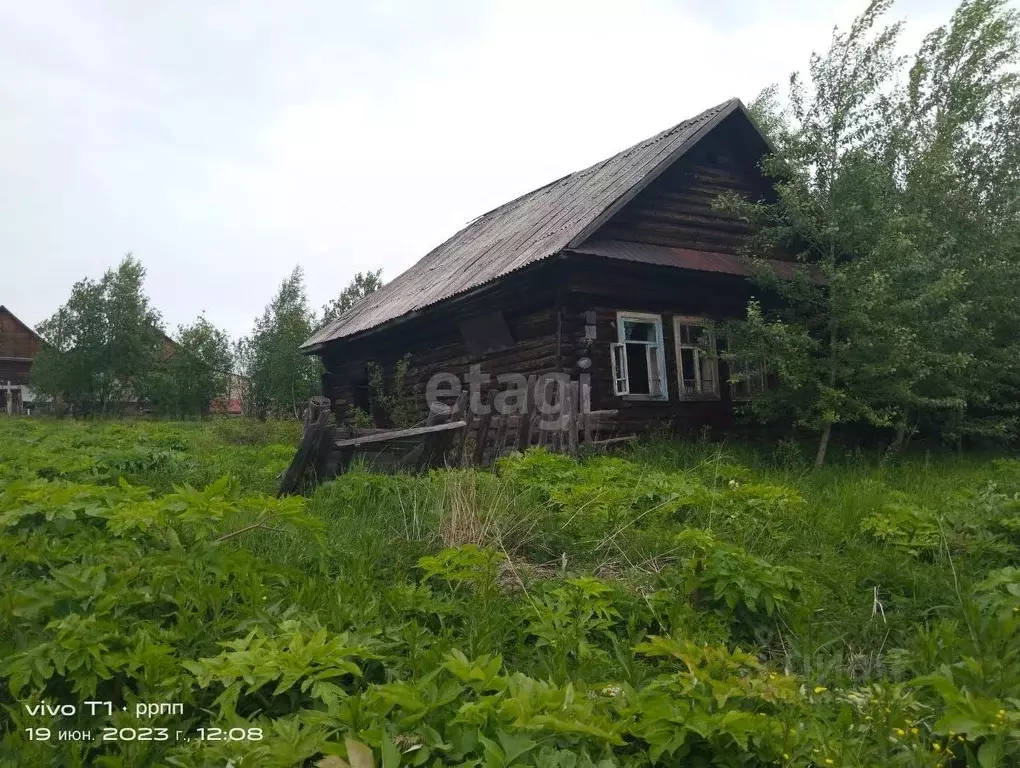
563 423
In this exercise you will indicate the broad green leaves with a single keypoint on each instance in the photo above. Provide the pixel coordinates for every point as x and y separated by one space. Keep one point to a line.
481 655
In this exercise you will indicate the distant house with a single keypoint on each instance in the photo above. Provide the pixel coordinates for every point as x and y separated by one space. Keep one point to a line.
614 272
19 345
236 384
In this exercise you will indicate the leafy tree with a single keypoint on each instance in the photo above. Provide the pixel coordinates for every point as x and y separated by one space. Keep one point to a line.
958 161
361 285
281 377
195 373
880 322
103 343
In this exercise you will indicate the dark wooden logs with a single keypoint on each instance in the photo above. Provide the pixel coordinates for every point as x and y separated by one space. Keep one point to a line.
527 419
500 438
438 442
573 414
483 428
313 451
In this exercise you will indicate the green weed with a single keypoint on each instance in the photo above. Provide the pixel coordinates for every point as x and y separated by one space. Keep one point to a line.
681 605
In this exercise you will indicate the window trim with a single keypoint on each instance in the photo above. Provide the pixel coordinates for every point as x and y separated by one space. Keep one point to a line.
618 362
705 323
640 317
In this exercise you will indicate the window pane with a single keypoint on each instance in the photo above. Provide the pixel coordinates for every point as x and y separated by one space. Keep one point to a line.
637 368
694 335
687 374
634 330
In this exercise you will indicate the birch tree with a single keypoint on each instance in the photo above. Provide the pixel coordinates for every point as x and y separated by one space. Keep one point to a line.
898 196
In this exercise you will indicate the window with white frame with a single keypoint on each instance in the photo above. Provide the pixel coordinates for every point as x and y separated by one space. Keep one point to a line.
697 365
639 366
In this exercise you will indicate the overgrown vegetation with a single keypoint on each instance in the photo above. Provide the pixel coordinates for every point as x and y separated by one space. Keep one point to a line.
281 377
107 352
396 405
103 344
897 193
361 285
682 605
189 379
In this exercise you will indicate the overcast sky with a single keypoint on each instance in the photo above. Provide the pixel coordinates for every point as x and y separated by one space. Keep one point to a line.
224 142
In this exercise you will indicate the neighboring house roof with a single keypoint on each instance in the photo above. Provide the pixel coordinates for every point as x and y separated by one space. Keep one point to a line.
26 326
524 231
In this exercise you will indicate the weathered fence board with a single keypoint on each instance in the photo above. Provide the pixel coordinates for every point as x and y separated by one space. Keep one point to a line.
558 420
396 434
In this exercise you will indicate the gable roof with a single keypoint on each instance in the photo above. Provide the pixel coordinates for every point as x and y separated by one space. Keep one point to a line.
533 227
23 324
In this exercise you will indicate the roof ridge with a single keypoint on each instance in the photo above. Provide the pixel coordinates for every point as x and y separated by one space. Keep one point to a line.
524 230
593 166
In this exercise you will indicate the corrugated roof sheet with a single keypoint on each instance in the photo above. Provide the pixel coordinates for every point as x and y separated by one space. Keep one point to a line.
523 231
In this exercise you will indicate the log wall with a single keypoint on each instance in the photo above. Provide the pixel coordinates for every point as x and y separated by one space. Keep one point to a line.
18 346
547 313
676 209
530 304
604 287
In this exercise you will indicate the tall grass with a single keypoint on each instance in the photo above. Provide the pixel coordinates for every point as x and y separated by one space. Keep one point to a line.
861 597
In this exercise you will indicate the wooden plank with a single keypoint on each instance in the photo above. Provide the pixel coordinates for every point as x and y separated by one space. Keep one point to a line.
586 413
395 434
434 445
447 439
483 428
401 445
324 447
306 452
574 415
497 443
614 441
539 417
363 431
556 436
524 429
460 457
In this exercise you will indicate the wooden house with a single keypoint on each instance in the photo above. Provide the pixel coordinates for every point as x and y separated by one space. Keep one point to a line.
611 272
19 345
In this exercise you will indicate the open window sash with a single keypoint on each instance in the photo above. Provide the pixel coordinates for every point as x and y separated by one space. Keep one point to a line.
621 382
653 356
